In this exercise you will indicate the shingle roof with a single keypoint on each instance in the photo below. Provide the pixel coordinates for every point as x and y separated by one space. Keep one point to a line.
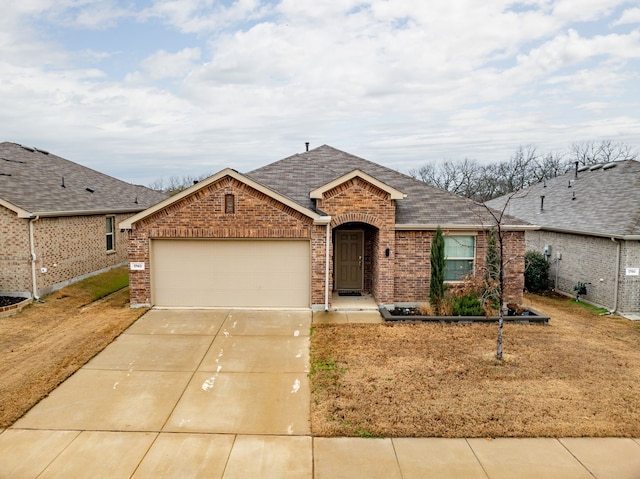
296 176
607 201
32 179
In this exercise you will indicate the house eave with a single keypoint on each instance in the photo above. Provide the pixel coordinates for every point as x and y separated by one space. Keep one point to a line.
393 193
461 227
598 234
22 213
129 222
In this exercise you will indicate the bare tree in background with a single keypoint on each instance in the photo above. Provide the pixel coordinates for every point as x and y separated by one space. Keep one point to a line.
527 166
176 184
590 152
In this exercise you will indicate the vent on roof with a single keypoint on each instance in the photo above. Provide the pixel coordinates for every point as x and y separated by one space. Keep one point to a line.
28 148
136 200
44 152
595 167
608 166
62 184
583 168
90 190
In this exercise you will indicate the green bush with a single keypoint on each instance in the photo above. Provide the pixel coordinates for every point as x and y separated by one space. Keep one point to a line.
536 272
467 305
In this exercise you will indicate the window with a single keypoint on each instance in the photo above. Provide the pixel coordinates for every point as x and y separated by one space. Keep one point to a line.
229 204
460 254
111 237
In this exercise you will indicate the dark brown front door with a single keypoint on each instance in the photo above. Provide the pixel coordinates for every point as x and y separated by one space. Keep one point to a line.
348 258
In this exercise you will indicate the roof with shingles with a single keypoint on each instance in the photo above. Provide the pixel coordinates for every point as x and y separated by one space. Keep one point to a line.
296 176
32 180
603 200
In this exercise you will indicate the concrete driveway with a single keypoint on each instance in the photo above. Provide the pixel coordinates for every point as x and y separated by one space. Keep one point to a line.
225 394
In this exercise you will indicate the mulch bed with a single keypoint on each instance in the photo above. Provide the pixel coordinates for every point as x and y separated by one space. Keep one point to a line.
9 300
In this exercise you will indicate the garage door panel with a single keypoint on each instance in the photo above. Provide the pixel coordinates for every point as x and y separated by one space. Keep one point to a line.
254 273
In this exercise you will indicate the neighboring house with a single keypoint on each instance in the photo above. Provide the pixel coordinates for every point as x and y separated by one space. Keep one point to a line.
292 233
590 231
59 220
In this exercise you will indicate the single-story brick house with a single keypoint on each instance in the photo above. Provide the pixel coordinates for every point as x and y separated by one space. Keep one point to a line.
292 233
58 220
589 222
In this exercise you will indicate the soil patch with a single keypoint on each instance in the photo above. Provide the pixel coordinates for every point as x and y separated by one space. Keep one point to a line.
578 376
46 343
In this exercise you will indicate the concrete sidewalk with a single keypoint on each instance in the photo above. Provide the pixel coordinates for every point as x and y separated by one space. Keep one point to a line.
225 394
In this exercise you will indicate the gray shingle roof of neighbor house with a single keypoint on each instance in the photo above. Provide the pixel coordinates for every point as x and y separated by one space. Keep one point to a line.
603 200
296 176
36 182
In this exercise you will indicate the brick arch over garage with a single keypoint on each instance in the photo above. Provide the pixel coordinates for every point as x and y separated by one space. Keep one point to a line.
367 218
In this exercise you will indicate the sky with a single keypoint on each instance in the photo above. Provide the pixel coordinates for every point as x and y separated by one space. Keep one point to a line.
148 89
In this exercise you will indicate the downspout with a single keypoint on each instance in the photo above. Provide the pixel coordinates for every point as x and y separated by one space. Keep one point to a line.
32 244
617 283
326 268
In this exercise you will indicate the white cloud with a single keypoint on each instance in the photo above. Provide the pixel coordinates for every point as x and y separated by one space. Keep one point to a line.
162 65
397 81
630 15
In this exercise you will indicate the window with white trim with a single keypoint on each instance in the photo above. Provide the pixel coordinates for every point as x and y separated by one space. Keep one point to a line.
111 236
460 252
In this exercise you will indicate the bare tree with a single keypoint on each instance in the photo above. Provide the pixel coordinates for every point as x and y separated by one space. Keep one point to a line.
525 167
176 184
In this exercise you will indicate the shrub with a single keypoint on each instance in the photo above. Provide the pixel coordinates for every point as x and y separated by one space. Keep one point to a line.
436 285
467 305
536 272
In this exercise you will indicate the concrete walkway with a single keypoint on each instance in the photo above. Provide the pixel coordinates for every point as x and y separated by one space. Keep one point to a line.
225 394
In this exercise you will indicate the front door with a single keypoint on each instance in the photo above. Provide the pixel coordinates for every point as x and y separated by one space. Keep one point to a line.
348 259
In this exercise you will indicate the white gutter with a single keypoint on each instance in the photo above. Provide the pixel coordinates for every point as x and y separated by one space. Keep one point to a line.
33 257
617 283
452 227
326 268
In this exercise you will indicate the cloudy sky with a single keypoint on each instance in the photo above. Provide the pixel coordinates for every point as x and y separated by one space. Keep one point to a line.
143 89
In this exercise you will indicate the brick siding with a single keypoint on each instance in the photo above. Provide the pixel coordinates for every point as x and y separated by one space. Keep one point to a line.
69 248
202 215
591 259
413 266
401 276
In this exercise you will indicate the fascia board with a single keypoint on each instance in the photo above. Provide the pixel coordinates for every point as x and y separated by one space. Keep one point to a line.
433 227
597 234
128 223
393 193
22 213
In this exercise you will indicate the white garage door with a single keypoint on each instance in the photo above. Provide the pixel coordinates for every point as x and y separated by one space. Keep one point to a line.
230 273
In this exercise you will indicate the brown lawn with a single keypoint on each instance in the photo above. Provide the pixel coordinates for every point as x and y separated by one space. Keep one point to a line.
46 343
578 376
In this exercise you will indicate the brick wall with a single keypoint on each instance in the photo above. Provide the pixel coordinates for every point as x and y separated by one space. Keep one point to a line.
15 257
585 259
629 293
413 265
70 248
202 215
357 201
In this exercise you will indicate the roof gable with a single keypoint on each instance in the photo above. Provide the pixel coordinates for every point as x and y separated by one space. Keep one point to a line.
316 217
602 200
36 182
423 206
320 191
